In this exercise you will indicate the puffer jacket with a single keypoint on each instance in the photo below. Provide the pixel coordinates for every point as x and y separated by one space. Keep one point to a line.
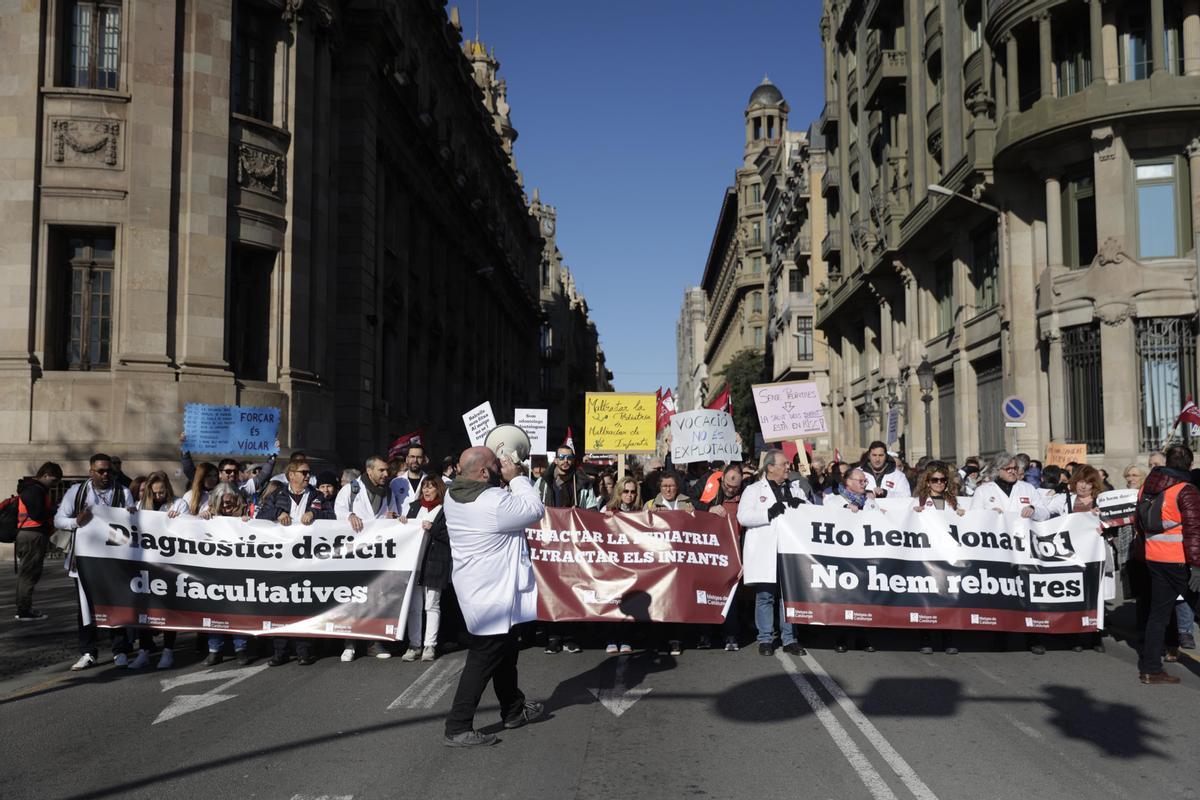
1158 481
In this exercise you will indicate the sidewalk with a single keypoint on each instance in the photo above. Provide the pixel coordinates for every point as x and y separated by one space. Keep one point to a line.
27 646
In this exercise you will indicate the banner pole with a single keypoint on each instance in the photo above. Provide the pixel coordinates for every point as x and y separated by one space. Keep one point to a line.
620 469
1170 435
805 467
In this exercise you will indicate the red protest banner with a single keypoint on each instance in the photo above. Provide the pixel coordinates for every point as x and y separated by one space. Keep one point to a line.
412 439
659 566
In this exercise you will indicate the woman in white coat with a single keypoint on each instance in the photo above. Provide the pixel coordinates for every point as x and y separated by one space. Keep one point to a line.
1001 491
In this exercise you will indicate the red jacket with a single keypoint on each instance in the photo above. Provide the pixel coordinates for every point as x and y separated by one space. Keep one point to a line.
1159 480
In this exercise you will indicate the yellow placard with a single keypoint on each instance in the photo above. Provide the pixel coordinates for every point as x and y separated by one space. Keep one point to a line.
1060 454
620 422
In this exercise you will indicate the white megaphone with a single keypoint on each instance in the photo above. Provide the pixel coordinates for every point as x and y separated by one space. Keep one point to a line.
508 441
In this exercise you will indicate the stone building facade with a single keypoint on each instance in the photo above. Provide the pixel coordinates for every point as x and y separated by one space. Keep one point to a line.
311 206
1011 189
762 272
735 274
571 361
691 373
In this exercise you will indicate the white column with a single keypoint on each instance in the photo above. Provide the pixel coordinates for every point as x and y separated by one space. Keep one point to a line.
1156 35
1096 34
1054 228
1046 54
1191 37
1012 74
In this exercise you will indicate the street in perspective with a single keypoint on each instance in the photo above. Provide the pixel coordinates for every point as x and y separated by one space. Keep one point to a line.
703 399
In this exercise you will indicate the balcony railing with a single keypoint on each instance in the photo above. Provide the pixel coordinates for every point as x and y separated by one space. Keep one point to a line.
832 243
888 71
830 180
933 31
829 118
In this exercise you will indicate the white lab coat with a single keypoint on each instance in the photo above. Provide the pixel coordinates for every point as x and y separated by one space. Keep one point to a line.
493 576
989 496
761 546
361 506
405 492
894 483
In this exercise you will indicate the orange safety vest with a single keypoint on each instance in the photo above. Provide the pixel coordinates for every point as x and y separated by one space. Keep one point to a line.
23 518
711 486
1167 547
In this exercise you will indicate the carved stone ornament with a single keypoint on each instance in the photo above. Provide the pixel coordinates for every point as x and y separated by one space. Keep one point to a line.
86 142
1193 148
1110 252
260 170
1115 313
1102 143
291 11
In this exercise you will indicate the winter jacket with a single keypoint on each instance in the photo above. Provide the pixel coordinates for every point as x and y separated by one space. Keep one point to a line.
434 561
585 497
1158 481
682 503
280 502
891 480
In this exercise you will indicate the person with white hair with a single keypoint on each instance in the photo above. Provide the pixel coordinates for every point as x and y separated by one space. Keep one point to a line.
1002 490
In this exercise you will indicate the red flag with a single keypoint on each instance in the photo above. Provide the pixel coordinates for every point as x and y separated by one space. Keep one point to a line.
569 441
723 401
789 449
1189 413
837 455
406 441
666 410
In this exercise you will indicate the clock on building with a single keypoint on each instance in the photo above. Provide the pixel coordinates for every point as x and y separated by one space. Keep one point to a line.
548 226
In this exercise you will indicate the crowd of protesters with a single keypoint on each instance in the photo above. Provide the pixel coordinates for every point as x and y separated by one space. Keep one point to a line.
1153 563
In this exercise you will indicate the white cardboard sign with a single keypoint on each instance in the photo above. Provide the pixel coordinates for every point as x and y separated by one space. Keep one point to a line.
479 420
704 435
534 422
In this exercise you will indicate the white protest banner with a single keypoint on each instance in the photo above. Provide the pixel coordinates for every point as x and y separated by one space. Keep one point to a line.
936 569
789 410
534 422
251 578
479 420
704 435
1117 507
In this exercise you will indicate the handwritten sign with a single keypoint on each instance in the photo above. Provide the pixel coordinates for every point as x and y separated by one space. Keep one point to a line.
893 425
479 420
620 422
230 430
704 435
789 410
533 421
1061 453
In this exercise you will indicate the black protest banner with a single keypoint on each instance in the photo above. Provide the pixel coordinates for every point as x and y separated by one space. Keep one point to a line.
247 577
909 569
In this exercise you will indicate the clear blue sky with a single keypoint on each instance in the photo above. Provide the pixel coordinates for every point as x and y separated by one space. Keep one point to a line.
630 122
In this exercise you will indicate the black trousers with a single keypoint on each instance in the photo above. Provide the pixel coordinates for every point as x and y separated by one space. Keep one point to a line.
1167 581
87 635
280 645
30 548
489 658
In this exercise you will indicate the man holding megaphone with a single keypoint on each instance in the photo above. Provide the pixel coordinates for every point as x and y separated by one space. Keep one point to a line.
493 579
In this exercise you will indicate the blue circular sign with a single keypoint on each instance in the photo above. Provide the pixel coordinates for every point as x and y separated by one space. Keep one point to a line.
1013 408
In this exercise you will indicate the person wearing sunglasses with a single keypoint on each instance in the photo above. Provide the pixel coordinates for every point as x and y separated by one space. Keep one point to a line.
74 512
565 486
1002 490
938 489
302 504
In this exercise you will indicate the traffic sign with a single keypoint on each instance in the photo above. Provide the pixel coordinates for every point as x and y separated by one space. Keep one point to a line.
1013 408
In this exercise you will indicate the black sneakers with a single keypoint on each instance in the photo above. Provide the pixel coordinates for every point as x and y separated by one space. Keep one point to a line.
529 712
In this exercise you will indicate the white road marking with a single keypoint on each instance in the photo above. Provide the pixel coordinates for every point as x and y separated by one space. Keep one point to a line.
322 797
877 740
874 782
187 703
429 687
619 699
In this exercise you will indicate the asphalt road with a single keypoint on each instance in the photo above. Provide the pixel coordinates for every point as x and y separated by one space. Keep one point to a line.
892 724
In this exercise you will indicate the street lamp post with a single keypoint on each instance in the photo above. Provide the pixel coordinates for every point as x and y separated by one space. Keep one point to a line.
925 379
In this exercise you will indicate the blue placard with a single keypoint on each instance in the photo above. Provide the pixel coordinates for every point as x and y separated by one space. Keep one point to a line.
230 430
1013 408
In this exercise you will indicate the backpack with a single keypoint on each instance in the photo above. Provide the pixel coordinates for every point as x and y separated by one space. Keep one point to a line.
1148 514
8 520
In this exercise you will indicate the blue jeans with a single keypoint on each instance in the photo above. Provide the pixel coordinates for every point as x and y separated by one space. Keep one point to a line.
764 616
214 643
1185 618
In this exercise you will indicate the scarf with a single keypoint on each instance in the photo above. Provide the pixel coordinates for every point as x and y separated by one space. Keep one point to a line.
430 504
464 490
376 494
1005 486
859 500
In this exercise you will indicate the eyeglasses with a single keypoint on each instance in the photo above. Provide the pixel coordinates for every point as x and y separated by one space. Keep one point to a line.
304 472
99 471
1009 468
629 491
937 480
228 471
562 457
